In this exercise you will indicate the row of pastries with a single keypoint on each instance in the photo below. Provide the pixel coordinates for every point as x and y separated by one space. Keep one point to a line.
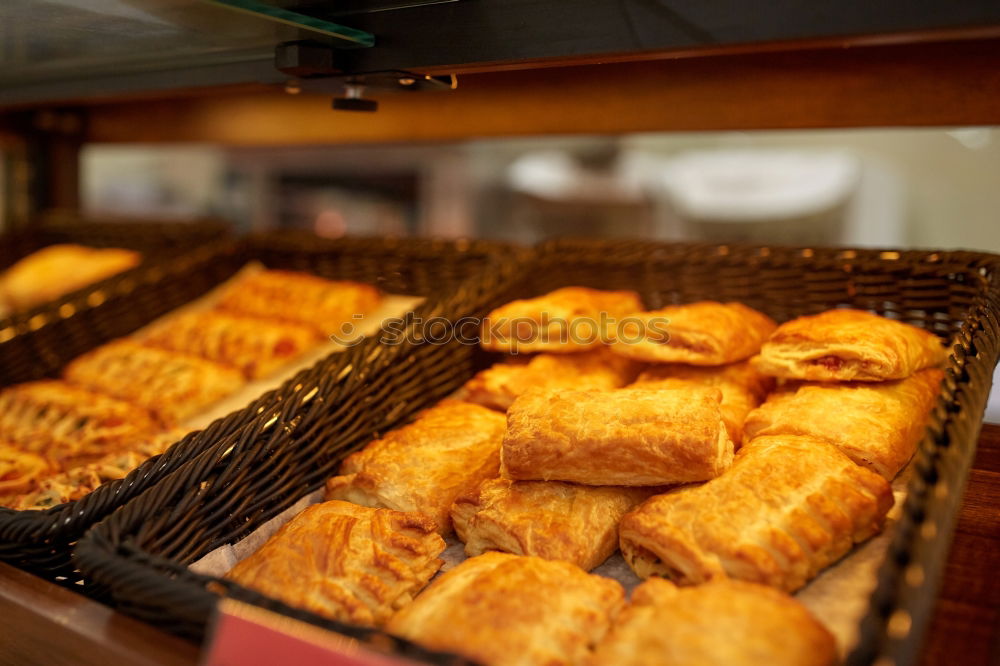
124 401
728 458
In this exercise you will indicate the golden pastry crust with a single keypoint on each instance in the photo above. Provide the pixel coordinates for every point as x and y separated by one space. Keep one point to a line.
256 346
20 472
327 305
499 385
548 519
67 424
722 622
172 385
848 345
60 269
448 450
507 610
346 562
787 508
743 388
703 333
565 320
626 437
877 425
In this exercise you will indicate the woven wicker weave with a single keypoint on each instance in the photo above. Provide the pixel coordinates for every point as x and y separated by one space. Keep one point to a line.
138 557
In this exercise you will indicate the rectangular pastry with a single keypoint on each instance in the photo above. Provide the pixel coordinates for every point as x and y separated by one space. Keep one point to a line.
498 386
565 320
742 387
548 519
327 305
345 562
626 437
788 507
57 270
848 345
878 425
448 450
506 610
703 333
722 622
256 346
67 424
172 385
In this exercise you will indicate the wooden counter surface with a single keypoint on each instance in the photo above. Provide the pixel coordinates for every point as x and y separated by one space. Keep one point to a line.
43 623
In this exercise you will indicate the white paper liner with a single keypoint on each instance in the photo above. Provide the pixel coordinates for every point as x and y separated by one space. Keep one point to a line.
838 597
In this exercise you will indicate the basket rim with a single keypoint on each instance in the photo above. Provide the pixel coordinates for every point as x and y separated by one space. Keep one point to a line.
106 545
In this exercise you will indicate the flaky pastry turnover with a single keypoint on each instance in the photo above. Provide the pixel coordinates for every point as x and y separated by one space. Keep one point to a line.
448 450
876 424
788 507
506 610
548 519
703 333
720 623
848 345
565 320
346 562
626 437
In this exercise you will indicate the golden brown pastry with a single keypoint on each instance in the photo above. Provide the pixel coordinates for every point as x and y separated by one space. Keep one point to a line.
703 333
256 346
878 425
498 386
346 562
788 507
565 320
20 471
548 519
743 388
299 297
627 437
507 610
172 385
448 450
721 623
59 269
848 345
67 424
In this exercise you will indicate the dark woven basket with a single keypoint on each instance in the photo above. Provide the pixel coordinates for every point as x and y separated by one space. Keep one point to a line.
157 241
40 541
137 558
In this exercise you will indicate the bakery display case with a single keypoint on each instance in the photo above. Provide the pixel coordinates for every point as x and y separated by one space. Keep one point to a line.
379 122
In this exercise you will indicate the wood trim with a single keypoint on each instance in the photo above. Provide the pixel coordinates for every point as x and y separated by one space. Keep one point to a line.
937 84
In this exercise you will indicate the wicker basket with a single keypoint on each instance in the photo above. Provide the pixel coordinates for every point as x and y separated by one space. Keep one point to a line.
40 541
137 558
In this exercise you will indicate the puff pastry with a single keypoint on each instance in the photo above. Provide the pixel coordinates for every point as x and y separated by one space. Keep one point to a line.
565 320
172 385
299 297
878 425
498 386
627 437
548 519
703 333
67 424
256 346
346 562
59 269
742 387
846 345
448 450
20 471
722 622
787 508
506 610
